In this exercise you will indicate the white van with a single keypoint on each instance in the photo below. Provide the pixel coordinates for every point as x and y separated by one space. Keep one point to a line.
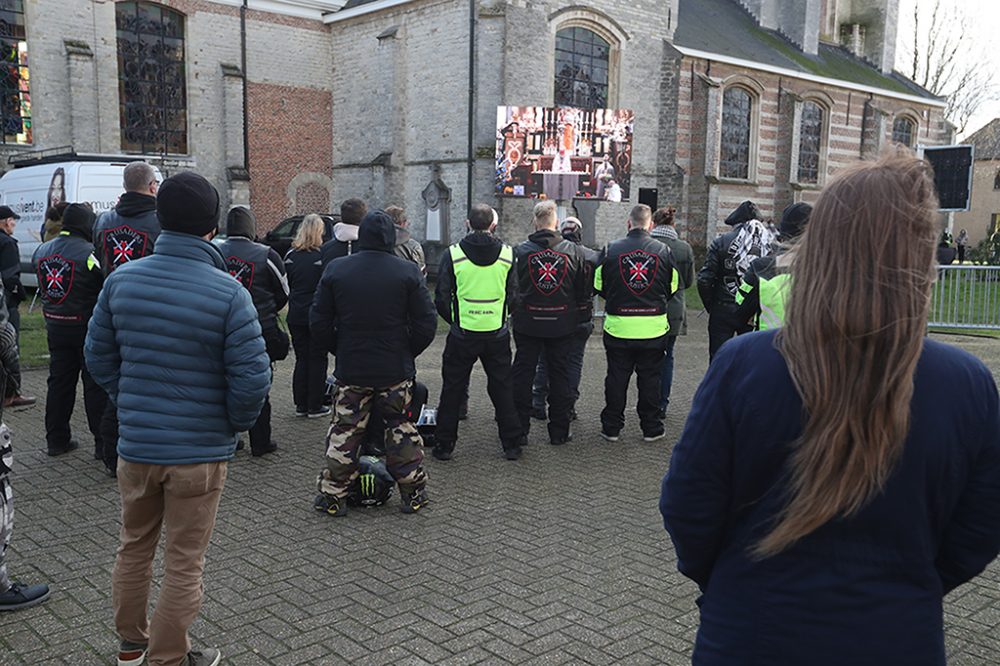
30 190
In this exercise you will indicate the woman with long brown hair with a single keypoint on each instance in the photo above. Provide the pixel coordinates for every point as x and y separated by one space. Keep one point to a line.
837 478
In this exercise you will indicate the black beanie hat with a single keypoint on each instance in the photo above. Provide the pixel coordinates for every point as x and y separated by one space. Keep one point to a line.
188 203
79 217
745 212
793 220
241 222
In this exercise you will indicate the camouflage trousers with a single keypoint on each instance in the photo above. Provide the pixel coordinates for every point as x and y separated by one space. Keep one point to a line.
352 407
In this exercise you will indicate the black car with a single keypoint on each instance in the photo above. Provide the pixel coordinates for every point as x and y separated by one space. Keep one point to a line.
280 238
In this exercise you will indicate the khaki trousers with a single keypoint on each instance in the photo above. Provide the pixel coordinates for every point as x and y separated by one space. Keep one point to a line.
185 498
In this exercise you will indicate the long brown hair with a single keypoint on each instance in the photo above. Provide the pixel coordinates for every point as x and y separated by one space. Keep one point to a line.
855 324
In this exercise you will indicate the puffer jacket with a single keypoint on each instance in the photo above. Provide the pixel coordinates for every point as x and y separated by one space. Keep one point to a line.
175 342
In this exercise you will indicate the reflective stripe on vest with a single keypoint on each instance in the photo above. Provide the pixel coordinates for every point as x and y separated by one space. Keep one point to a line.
481 291
773 295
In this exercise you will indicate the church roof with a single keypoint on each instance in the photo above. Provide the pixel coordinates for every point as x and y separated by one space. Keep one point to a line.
987 141
725 28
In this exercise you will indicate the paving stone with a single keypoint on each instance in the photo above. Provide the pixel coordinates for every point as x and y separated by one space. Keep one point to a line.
559 558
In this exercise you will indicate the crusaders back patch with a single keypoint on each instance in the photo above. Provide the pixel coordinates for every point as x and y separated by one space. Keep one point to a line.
55 278
547 270
124 244
638 270
241 269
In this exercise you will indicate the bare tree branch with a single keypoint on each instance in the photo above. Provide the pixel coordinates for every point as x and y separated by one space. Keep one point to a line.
944 61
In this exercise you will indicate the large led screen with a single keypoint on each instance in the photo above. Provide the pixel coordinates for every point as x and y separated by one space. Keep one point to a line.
564 153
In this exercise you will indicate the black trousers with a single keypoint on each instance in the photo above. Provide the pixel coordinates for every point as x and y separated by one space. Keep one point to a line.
260 432
558 355
723 325
645 358
66 367
14 317
309 376
460 355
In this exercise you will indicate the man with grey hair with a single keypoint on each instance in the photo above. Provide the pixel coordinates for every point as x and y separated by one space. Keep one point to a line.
124 234
636 277
553 300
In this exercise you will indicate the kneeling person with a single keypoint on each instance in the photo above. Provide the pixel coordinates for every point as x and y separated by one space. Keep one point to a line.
373 311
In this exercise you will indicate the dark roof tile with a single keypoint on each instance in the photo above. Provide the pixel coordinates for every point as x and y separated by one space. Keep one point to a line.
725 28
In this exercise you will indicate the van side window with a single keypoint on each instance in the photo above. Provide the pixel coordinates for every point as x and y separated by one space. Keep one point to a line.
152 90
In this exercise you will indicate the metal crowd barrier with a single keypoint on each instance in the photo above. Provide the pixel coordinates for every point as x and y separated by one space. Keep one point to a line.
966 297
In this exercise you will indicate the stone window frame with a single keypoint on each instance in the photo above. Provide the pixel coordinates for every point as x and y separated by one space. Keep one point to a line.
756 91
20 91
912 118
184 20
826 104
604 27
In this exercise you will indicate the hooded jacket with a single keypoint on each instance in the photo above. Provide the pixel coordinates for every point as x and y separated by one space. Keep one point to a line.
409 248
69 275
483 249
126 233
730 254
343 243
258 268
372 309
554 285
185 379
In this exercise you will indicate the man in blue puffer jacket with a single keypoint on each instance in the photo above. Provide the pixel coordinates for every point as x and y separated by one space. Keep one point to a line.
175 342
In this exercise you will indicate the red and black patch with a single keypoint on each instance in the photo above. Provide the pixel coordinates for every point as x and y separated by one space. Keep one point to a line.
55 278
124 244
548 270
638 270
241 269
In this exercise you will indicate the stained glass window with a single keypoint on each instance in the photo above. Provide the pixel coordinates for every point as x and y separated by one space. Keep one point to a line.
734 153
902 131
582 60
15 94
152 91
810 138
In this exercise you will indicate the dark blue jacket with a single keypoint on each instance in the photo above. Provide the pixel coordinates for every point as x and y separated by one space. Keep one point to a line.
858 591
372 309
175 342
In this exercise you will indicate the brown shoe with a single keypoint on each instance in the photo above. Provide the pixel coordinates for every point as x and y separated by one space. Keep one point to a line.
20 402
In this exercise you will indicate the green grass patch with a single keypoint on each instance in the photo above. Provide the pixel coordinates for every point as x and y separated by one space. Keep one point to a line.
34 342
966 297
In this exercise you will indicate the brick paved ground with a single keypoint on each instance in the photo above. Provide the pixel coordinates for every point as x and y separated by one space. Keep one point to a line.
558 558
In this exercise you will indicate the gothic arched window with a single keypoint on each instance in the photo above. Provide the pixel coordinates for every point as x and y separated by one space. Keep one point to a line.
737 121
810 142
15 97
582 61
903 130
152 88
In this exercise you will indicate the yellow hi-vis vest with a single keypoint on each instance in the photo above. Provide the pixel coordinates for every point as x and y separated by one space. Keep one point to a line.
481 291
